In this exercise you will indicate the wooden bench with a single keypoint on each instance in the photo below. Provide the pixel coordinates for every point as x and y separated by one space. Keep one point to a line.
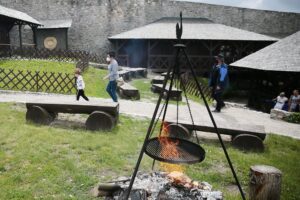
103 116
244 136
158 80
175 94
127 91
125 75
136 72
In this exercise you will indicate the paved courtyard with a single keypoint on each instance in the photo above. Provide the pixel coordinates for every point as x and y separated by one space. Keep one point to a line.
228 117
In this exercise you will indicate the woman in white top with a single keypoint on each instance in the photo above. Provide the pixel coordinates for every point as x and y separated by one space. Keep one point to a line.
280 101
80 85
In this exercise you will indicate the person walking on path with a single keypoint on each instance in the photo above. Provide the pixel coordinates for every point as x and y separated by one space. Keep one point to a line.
112 76
80 85
218 81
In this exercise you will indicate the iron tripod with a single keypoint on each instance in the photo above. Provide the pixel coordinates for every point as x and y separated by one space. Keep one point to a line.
180 48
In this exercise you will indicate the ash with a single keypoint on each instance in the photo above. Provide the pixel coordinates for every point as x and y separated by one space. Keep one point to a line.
157 185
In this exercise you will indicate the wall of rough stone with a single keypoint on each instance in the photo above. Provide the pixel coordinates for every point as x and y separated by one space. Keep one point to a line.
95 20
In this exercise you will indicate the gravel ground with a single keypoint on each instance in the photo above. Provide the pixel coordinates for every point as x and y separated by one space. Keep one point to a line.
229 117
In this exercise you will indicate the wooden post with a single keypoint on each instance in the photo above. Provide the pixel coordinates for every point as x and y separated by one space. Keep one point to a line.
265 183
34 36
37 80
20 36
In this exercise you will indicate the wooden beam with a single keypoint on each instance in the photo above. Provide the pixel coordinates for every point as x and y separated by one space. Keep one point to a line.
67 43
20 36
33 28
148 55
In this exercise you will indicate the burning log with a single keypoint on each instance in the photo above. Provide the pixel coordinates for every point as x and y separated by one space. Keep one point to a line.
161 185
179 179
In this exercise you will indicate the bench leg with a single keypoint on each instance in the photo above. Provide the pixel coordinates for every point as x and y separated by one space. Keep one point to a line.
248 142
53 115
99 120
38 115
178 131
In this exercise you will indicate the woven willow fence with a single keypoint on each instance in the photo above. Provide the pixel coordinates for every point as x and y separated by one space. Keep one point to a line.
57 55
37 81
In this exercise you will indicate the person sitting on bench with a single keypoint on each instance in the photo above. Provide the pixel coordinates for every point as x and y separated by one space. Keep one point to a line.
80 85
280 101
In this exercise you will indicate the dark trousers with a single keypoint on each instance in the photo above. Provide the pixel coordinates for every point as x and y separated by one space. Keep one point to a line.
218 97
81 93
112 90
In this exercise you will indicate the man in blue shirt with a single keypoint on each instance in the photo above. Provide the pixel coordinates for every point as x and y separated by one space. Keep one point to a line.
113 76
218 81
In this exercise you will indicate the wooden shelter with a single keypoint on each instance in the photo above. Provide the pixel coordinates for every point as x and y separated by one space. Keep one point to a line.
151 45
8 19
53 34
269 71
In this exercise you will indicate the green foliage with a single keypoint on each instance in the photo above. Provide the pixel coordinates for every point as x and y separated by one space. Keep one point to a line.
47 162
293 118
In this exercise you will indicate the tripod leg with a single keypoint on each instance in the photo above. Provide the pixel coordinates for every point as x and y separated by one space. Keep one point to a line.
149 130
215 125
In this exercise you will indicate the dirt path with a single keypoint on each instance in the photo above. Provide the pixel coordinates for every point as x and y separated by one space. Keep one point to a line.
228 116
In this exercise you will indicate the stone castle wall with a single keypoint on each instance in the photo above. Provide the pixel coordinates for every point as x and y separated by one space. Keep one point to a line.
95 20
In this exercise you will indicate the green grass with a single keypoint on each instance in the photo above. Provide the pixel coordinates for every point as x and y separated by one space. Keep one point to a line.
56 163
144 87
38 65
281 152
95 86
44 162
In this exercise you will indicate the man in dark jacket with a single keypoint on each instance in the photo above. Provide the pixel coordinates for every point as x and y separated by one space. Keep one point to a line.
218 81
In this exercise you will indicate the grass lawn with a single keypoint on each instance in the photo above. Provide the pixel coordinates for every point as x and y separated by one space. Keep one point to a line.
44 162
144 87
38 65
95 86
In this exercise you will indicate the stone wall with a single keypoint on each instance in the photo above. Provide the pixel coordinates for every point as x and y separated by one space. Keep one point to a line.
95 20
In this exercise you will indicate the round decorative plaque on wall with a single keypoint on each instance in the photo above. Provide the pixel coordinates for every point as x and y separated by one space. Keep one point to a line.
50 43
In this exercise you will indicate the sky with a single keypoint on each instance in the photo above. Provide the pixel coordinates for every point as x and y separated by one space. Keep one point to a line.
275 5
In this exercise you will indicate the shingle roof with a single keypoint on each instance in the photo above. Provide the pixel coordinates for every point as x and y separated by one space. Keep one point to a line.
194 29
283 55
48 24
15 14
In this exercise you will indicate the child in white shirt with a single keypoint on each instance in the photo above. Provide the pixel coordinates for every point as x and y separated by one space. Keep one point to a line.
80 85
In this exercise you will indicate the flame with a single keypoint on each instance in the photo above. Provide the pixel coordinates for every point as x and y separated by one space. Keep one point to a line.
169 150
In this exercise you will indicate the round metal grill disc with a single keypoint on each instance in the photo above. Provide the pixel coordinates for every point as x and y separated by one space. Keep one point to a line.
186 151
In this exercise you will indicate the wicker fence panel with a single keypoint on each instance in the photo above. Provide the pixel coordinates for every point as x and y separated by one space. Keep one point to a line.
37 81
191 88
56 55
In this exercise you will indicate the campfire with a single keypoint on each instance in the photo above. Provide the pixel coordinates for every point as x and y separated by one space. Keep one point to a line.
170 183
158 185
168 150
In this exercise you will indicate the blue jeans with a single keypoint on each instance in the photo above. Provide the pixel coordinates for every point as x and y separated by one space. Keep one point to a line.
111 90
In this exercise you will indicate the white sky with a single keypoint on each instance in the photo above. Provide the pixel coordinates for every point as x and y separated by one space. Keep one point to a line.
276 5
